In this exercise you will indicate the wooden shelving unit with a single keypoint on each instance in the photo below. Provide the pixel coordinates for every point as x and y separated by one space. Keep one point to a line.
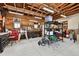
65 24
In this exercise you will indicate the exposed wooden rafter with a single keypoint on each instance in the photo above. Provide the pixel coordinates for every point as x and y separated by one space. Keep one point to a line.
22 10
70 9
67 6
36 9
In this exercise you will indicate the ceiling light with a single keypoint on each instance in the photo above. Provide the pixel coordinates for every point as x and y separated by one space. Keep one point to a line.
15 13
49 10
33 20
38 17
63 16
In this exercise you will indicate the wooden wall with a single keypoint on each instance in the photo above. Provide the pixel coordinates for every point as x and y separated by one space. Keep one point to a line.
24 20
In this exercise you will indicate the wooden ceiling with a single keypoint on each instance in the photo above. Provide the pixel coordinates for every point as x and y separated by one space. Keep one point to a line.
36 9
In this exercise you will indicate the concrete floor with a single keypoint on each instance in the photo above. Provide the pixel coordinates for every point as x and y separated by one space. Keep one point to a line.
31 48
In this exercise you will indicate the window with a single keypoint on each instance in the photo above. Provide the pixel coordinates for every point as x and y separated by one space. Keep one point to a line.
36 26
16 23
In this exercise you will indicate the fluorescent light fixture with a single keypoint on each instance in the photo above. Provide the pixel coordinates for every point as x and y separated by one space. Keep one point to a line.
49 10
33 20
38 17
63 16
15 13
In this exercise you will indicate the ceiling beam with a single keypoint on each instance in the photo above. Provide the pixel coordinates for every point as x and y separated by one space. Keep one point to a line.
24 5
5 4
60 5
67 6
50 7
55 6
15 5
37 9
73 7
64 5
74 10
70 9
40 10
22 11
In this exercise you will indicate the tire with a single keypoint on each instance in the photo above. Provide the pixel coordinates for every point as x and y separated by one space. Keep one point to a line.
39 43
43 44
1 51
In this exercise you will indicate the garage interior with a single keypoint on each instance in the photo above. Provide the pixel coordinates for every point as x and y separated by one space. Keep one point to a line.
39 29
